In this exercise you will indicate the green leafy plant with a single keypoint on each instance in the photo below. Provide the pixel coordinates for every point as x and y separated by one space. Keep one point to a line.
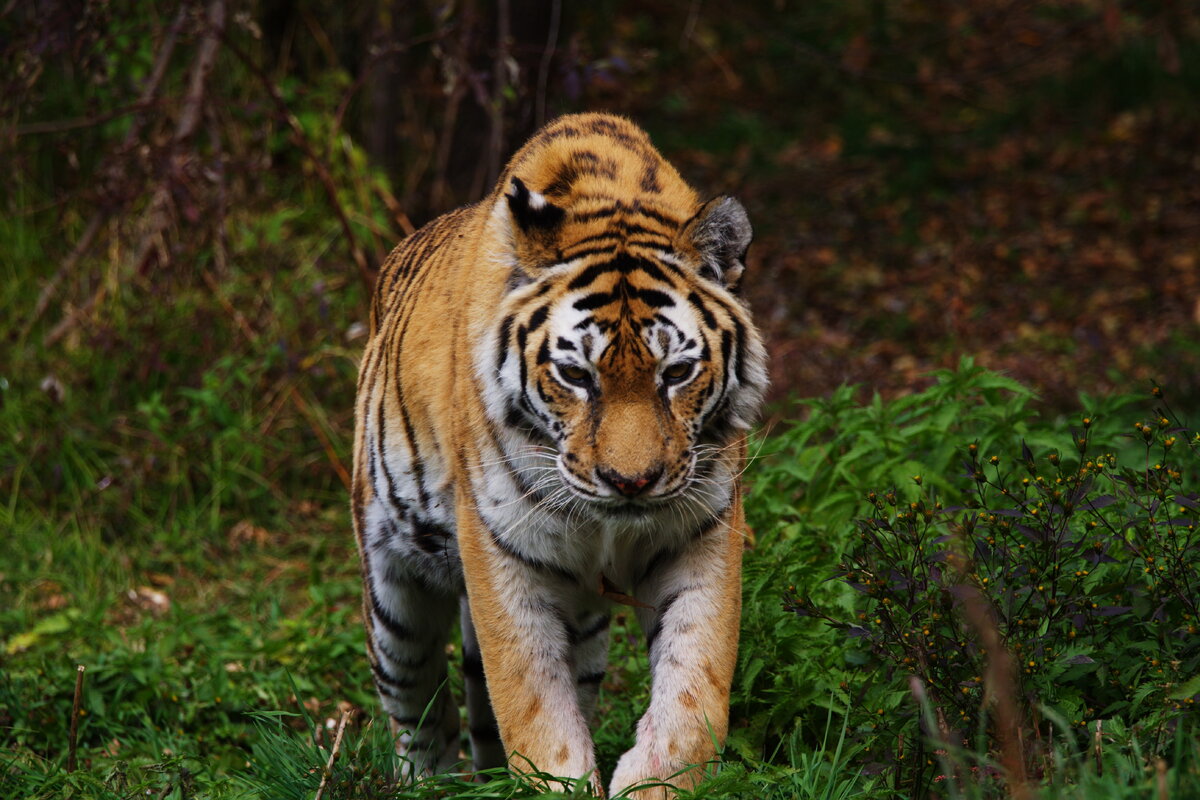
1087 566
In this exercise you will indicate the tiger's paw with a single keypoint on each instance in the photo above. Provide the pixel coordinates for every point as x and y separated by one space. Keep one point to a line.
650 768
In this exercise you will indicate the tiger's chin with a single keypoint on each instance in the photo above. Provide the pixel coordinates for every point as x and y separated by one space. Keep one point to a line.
637 514
630 510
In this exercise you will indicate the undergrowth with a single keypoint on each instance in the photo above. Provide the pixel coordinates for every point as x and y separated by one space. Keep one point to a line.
219 659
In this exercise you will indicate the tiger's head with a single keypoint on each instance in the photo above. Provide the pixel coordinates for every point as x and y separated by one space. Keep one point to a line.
621 351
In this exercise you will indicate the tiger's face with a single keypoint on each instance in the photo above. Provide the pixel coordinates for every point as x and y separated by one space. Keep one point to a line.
635 369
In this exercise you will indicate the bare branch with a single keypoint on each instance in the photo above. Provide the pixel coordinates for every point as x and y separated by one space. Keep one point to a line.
333 753
71 763
145 100
366 273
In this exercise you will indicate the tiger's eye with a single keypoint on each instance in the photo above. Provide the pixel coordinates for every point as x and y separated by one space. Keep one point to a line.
575 374
677 373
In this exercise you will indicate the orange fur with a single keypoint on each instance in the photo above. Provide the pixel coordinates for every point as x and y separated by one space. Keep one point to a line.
436 312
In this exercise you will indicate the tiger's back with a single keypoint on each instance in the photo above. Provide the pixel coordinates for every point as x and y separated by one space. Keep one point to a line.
550 413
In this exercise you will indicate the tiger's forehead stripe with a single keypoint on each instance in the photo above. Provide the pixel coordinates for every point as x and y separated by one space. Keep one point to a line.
623 264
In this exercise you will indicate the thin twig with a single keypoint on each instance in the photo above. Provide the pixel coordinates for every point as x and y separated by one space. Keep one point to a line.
323 175
1099 762
306 410
67 267
393 207
238 317
157 214
79 670
202 68
1000 686
333 754
376 56
544 66
145 100
499 84
437 194
63 125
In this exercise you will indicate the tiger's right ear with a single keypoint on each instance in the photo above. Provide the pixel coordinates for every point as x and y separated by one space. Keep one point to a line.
536 223
533 213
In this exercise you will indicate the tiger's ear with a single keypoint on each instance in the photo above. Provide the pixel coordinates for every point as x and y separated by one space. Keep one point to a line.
720 232
535 226
533 213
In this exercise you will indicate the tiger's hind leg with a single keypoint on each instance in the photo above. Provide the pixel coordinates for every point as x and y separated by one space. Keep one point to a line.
408 623
487 751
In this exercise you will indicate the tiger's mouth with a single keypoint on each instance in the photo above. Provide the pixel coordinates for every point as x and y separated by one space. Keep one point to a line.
631 508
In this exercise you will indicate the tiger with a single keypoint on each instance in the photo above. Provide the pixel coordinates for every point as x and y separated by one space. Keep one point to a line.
551 418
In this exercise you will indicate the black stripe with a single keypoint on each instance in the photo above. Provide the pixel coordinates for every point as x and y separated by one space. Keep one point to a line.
397 340
622 264
418 467
740 367
651 269
592 678
569 630
541 389
595 237
409 662
726 347
399 507
538 317
706 527
521 334
664 606
657 216
591 251
530 561
429 536
383 690
383 677
654 298
395 627
408 723
657 560
709 319
593 301
630 228
595 629
604 211
502 345
663 247
588 276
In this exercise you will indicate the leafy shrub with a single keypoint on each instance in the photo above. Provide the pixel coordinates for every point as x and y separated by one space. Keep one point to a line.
1088 569
808 481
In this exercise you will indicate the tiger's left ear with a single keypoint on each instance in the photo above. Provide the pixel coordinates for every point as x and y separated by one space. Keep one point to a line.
720 232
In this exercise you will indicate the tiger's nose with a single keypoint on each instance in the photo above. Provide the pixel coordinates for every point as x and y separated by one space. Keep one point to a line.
629 485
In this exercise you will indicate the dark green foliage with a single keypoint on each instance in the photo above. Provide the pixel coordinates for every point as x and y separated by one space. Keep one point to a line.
1087 563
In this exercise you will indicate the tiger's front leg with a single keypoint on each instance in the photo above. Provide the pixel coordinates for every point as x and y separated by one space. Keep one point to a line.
692 635
525 639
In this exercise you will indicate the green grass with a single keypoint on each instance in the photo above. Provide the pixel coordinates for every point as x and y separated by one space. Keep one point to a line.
219 623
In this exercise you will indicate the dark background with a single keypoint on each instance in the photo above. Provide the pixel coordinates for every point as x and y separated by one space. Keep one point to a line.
199 193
